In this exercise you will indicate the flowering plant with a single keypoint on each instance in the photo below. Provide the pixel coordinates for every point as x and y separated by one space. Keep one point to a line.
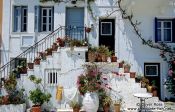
91 80
170 82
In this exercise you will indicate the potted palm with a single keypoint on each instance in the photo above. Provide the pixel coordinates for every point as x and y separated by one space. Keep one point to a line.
37 96
92 54
76 106
103 52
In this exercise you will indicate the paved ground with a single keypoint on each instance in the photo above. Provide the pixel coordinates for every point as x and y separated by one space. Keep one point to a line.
169 106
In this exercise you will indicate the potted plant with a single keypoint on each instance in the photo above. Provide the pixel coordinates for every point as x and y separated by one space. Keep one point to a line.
92 54
49 51
132 74
106 102
37 61
76 106
38 96
42 55
127 67
23 67
113 58
121 64
138 78
117 105
154 88
54 46
103 52
89 85
144 82
88 29
61 42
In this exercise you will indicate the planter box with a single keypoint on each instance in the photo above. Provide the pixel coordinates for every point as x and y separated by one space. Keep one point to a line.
13 108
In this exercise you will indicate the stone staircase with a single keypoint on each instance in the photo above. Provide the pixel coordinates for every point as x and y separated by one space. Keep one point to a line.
68 65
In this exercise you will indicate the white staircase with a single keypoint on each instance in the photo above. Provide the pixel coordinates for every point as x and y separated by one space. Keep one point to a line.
69 63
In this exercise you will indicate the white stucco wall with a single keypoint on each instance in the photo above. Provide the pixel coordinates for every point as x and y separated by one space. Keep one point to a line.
127 45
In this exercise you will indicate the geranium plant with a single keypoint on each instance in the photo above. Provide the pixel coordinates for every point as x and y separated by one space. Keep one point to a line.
90 81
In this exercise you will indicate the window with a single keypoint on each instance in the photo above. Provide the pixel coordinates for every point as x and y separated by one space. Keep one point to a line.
152 69
51 77
20 19
27 41
17 62
164 30
44 19
106 28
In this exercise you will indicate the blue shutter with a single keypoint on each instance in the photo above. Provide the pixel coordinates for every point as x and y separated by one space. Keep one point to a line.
53 18
17 19
37 19
173 30
156 33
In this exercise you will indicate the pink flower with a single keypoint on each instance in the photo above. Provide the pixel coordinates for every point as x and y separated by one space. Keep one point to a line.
170 72
105 78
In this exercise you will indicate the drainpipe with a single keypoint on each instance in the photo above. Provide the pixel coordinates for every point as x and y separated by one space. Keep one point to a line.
1 9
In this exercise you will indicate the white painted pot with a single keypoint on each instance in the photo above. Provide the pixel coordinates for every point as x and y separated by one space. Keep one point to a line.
91 102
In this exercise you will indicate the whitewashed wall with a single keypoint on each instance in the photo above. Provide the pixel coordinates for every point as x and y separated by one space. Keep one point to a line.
128 46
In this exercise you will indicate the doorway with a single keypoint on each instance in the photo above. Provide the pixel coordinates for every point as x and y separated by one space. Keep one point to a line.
107 33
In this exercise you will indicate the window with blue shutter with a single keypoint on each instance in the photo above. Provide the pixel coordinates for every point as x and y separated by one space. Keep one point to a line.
20 19
44 19
164 30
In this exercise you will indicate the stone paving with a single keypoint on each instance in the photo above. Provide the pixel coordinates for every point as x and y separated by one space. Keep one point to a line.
169 106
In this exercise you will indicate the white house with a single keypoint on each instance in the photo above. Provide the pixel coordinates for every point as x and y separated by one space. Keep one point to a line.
25 22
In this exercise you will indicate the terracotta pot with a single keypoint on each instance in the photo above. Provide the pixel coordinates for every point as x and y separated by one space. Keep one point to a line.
30 65
99 59
104 58
5 100
132 74
106 108
76 109
117 107
126 69
91 56
54 47
23 70
88 30
36 109
154 92
121 65
49 53
37 61
113 59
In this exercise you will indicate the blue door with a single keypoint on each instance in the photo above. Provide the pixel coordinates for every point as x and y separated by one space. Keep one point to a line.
75 23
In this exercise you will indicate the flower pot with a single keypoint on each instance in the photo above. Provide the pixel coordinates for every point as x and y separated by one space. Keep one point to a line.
121 65
126 69
104 58
99 59
23 70
106 108
149 88
117 107
76 109
88 30
113 59
54 47
30 65
91 102
132 74
37 61
91 56
36 109
154 92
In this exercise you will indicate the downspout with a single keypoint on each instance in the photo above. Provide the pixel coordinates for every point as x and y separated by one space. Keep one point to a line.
1 18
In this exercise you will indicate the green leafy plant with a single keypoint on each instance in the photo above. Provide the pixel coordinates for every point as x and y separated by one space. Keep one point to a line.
106 100
75 104
10 83
37 96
